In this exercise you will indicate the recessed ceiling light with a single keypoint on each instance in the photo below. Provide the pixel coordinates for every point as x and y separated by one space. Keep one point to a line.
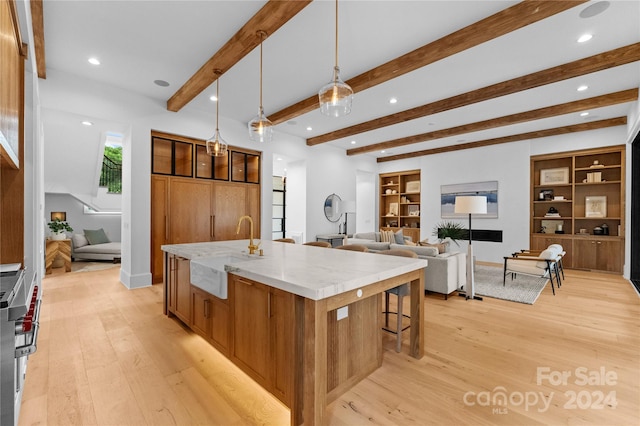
87 123
582 88
353 142
279 158
161 83
94 61
383 151
213 98
584 114
594 9
393 100
585 37
309 128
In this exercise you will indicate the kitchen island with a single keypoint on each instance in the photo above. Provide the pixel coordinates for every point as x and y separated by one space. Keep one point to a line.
304 322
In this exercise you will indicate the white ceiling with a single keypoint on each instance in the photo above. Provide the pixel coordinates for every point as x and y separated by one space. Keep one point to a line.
138 42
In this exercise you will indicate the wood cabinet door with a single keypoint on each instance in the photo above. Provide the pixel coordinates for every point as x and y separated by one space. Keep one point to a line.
183 289
584 254
229 204
190 217
608 255
200 311
250 312
220 325
171 283
159 224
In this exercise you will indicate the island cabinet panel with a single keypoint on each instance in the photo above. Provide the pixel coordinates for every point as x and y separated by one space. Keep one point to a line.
262 339
179 288
354 343
210 318
200 312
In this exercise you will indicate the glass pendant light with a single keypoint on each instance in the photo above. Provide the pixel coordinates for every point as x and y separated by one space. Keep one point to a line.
260 128
336 96
216 146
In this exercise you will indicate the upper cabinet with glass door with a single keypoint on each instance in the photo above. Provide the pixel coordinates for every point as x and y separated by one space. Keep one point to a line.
245 167
174 156
171 157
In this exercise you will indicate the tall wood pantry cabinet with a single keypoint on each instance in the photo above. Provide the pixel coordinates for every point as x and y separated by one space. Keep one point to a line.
199 198
578 201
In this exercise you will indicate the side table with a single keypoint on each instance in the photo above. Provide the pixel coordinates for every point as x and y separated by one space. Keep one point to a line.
55 248
334 239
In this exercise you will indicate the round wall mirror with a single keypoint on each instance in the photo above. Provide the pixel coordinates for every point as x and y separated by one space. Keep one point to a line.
332 208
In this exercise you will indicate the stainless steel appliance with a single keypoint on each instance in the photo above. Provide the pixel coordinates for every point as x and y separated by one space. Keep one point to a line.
20 299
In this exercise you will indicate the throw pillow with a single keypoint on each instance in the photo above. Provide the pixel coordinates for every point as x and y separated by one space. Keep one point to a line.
96 236
442 247
398 237
409 243
387 236
79 240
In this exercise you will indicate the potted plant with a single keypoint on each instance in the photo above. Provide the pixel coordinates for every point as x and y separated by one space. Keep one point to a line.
58 228
450 230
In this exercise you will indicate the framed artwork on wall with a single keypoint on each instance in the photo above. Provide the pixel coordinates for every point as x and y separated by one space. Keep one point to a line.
558 176
448 194
595 206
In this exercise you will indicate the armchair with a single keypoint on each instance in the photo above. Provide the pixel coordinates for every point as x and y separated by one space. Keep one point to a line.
544 265
560 253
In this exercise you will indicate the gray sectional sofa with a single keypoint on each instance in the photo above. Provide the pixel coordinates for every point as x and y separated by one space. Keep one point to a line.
446 272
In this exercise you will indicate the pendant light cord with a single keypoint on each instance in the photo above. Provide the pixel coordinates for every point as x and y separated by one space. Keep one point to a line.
262 34
217 73
336 33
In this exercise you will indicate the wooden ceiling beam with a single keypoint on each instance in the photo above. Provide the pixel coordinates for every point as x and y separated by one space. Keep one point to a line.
272 16
623 96
37 20
593 125
494 26
613 58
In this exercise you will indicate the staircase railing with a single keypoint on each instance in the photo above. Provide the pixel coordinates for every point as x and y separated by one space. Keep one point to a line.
111 175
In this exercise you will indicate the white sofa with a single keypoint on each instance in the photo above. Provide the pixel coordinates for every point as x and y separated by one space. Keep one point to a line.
445 273
81 249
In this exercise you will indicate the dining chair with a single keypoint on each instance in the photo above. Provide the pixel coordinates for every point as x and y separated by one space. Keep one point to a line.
400 291
286 240
353 247
318 244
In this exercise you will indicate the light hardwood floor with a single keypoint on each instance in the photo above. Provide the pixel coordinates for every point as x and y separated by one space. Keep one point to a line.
107 356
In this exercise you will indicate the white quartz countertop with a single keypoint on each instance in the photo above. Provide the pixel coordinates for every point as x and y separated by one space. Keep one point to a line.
312 272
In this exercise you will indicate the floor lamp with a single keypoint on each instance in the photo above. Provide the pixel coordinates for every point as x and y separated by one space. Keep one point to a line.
471 205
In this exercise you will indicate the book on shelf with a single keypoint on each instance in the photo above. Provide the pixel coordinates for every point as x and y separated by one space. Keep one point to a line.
594 177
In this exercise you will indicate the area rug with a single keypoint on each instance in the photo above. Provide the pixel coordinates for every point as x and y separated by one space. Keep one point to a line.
79 266
522 289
